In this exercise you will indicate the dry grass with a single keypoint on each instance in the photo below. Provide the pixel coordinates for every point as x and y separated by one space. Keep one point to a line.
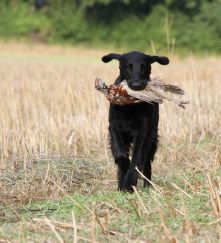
49 106
50 111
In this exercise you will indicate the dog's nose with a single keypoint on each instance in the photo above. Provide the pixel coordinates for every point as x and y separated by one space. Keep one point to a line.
137 85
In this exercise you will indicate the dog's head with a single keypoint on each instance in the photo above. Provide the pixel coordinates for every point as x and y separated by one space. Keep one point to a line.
135 67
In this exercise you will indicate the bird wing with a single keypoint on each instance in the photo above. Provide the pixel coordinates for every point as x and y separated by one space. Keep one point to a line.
157 91
144 95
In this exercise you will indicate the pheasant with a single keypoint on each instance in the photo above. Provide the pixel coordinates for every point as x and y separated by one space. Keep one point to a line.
155 91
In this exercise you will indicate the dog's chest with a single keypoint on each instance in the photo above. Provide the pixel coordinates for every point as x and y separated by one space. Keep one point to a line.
130 118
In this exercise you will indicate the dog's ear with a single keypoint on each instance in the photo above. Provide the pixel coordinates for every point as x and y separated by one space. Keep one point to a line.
111 56
159 59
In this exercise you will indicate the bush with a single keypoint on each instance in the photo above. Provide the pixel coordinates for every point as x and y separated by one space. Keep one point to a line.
127 24
18 20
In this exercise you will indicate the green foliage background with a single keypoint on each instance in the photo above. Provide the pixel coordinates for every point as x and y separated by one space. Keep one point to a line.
189 25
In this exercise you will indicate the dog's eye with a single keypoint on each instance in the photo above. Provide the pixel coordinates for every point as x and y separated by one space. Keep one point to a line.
142 65
130 67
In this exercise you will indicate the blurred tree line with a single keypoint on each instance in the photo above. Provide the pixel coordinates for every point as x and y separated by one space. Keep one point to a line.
193 25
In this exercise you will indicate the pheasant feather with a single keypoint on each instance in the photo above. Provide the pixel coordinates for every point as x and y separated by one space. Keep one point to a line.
155 91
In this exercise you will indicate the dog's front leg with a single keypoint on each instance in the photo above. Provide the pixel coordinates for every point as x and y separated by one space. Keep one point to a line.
138 158
120 151
151 150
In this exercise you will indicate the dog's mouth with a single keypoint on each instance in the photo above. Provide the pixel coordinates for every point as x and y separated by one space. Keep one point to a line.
137 85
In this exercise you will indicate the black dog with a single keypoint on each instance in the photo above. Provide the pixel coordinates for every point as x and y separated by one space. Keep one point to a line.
135 124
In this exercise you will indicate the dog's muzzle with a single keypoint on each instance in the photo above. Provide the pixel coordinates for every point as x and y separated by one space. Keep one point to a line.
137 84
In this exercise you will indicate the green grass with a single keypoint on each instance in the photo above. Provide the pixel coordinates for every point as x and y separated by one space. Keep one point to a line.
149 216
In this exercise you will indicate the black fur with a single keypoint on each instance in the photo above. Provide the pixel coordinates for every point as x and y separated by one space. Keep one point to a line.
136 124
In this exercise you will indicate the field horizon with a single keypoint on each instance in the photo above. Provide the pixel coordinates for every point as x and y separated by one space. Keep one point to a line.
57 175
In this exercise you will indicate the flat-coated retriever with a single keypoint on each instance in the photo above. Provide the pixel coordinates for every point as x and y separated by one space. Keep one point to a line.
134 125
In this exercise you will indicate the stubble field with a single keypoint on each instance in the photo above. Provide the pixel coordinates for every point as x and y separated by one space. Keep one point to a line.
57 176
